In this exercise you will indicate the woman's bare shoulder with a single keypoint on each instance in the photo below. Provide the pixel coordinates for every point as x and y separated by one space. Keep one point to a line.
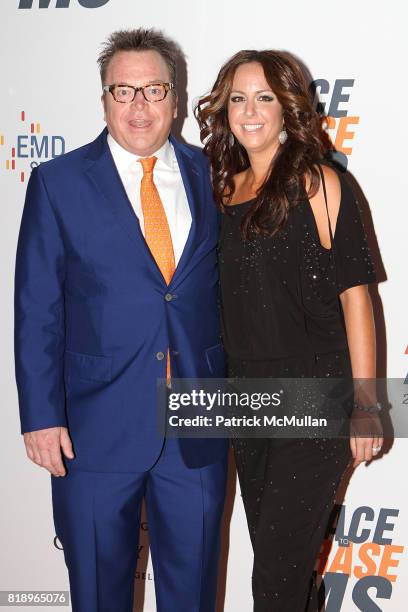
331 179
318 204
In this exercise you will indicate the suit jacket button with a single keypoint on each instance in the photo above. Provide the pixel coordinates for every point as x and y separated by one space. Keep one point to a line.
168 297
160 355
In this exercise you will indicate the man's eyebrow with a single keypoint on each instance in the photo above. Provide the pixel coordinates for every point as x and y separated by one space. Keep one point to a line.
153 82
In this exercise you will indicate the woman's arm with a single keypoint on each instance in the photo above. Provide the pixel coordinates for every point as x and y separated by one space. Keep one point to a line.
360 329
359 321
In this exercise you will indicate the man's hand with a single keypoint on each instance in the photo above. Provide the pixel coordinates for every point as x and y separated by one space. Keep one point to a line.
44 448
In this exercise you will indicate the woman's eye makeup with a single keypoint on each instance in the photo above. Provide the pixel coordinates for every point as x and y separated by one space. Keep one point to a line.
264 97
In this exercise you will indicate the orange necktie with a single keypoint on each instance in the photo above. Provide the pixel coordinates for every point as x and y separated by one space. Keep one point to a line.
157 231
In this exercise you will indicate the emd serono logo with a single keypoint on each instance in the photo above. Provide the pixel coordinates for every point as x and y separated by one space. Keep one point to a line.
30 148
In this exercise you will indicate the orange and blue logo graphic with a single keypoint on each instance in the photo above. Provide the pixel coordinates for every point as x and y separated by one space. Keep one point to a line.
29 148
333 101
364 566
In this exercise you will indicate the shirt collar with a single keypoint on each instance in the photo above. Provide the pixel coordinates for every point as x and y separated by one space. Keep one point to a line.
123 158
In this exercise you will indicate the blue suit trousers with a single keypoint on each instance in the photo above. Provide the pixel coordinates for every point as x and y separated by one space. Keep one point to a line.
97 520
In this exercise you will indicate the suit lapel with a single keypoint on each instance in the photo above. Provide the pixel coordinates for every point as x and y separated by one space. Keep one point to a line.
103 173
192 176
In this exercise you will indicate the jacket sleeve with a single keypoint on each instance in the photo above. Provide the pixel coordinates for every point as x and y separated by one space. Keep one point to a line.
39 332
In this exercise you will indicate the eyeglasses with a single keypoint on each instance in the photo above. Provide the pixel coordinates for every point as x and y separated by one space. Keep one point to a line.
154 92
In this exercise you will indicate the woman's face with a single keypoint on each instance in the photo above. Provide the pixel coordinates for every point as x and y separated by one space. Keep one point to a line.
254 113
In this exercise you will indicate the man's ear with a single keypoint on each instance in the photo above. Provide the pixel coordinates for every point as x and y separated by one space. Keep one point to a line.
103 106
175 106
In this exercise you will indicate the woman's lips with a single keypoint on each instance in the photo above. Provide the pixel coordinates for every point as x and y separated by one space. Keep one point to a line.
252 127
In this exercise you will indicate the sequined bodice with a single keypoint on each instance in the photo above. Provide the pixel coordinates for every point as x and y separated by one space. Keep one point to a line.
279 294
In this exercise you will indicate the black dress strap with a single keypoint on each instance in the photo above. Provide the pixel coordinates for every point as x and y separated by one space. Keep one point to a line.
327 207
332 246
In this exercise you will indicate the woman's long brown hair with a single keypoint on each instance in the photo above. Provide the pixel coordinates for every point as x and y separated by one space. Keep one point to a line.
296 159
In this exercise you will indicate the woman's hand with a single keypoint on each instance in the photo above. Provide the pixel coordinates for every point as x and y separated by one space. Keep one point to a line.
366 436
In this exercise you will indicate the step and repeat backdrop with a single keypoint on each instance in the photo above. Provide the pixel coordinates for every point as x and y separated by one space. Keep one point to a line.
50 104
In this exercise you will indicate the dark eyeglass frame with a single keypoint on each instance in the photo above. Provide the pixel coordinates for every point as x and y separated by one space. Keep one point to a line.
109 88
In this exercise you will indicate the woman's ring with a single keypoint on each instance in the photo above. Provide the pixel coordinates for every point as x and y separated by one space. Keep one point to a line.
376 449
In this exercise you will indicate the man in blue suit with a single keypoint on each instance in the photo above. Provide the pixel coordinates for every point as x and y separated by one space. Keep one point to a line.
97 324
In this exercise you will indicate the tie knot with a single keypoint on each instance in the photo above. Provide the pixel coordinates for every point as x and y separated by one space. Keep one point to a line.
148 164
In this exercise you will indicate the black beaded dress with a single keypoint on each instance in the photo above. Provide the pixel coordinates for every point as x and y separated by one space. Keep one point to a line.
282 317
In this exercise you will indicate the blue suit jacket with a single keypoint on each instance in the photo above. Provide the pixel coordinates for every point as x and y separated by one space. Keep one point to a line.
91 314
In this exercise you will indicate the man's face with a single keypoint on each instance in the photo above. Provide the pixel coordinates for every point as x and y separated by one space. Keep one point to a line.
141 127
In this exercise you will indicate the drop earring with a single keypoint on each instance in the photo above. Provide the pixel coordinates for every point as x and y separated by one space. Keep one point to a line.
283 135
231 140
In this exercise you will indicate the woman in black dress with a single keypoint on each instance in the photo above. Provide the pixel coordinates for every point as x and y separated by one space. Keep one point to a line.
294 268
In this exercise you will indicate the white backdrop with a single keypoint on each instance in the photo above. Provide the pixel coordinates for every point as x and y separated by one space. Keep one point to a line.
50 88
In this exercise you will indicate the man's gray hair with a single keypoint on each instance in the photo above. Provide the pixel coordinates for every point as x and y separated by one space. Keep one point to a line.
140 40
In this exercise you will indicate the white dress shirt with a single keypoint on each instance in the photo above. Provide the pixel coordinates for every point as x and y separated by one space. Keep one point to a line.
169 184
